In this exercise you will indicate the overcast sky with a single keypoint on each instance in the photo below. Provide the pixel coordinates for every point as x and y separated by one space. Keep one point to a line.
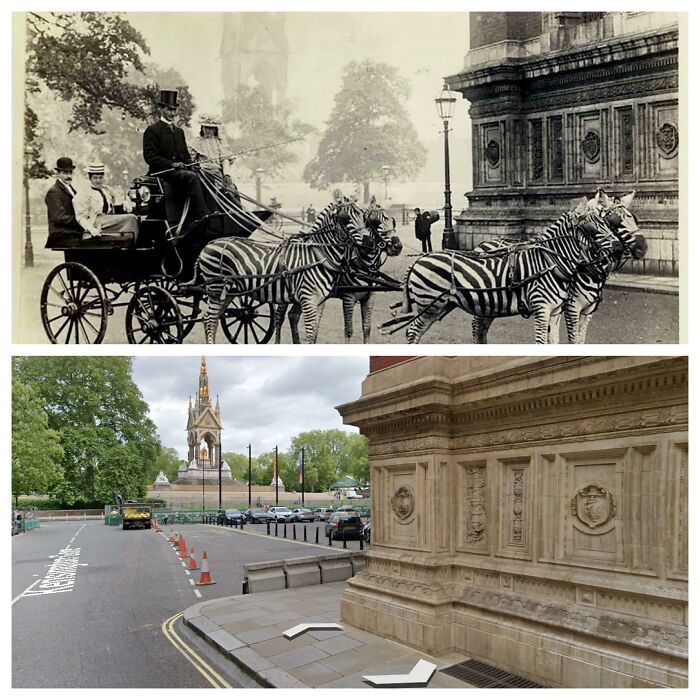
265 401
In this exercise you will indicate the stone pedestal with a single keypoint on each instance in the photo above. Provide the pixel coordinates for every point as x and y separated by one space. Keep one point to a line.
532 513
195 473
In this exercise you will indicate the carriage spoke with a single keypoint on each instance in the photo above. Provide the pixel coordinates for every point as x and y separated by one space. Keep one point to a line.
58 332
97 330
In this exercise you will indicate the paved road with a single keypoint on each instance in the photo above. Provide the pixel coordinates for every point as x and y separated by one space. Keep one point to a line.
94 613
623 317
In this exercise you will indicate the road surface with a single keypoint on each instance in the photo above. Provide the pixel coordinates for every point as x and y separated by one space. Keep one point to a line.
90 601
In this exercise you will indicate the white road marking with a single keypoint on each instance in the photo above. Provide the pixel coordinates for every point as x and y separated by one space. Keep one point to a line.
191 582
28 588
418 677
300 629
197 593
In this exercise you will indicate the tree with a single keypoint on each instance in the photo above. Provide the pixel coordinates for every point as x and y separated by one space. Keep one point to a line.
356 459
168 462
369 127
239 465
102 421
36 448
258 122
324 452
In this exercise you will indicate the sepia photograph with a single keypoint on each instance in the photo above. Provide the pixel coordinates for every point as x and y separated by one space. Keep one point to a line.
254 177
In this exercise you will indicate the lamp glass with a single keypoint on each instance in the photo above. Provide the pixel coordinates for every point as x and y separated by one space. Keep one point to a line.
445 103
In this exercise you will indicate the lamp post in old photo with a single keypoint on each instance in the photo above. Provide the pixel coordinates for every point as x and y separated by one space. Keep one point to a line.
445 106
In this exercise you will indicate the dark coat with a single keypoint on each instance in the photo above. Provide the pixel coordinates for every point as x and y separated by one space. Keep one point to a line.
163 146
423 226
64 228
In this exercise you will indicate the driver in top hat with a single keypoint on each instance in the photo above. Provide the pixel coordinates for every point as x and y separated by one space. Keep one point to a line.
165 149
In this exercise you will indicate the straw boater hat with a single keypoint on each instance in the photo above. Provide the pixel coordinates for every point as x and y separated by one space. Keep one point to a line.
210 120
95 169
64 164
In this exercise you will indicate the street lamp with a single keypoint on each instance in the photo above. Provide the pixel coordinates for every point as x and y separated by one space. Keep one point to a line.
28 247
445 106
385 170
258 184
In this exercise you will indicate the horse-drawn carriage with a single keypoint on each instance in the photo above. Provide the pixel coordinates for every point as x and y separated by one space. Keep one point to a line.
157 275
148 274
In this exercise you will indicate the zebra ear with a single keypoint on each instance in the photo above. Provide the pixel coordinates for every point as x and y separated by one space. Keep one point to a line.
373 201
581 207
337 196
601 198
626 201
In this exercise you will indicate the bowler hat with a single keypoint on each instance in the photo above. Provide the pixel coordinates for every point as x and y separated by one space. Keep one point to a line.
168 98
64 164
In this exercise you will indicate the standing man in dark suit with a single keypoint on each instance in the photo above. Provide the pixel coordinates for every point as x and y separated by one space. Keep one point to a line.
165 149
423 223
64 228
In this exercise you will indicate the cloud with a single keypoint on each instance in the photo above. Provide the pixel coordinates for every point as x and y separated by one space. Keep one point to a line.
265 401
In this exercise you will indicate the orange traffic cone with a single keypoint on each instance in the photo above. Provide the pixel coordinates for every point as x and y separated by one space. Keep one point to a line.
192 564
205 576
183 547
171 539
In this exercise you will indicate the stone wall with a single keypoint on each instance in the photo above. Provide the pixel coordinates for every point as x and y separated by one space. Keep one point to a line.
586 103
532 513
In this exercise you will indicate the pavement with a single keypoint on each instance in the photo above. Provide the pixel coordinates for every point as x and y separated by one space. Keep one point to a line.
644 283
249 630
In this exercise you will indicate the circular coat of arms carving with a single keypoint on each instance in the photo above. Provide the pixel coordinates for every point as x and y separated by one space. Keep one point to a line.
667 139
493 153
403 503
594 507
590 147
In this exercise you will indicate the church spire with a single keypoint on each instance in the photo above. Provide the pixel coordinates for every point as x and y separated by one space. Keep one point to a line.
203 399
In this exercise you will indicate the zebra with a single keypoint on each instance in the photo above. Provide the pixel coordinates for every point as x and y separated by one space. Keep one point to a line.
586 291
301 269
531 279
382 226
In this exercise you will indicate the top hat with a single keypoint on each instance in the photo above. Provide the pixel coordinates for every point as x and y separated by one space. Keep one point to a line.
168 98
64 164
95 169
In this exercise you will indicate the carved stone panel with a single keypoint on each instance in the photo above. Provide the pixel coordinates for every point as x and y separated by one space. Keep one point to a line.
677 553
472 506
590 145
665 139
493 146
536 151
513 498
625 143
555 148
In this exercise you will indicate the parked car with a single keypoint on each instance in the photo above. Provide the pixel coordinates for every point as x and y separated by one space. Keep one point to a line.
367 532
257 515
281 514
345 524
323 513
345 509
303 515
230 516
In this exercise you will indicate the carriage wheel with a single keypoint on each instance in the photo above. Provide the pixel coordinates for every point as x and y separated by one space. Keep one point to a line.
153 317
74 306
187 303
248 321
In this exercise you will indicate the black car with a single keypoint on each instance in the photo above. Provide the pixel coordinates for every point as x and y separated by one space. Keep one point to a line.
348 525
230 516
257 515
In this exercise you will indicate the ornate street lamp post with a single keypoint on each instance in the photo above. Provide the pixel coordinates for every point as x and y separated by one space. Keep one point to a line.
28 248
385 170
258 184
445 106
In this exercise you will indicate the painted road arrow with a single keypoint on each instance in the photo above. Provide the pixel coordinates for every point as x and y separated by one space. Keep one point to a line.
300 629
419 677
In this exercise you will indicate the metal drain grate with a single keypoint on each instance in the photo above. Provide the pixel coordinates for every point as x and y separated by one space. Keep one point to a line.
482 675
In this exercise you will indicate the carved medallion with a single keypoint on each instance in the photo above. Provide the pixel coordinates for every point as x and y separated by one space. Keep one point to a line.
590 146
667 139
403 503
493 153
594 507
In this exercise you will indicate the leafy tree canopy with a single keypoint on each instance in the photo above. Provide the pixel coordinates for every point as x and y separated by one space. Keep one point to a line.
168 462
36 448
369 127
255 121
108 440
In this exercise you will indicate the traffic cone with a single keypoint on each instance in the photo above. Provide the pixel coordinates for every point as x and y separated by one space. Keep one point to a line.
183 547
192 564
205 576
171 539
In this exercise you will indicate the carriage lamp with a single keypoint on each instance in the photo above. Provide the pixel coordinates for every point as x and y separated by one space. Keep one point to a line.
445 107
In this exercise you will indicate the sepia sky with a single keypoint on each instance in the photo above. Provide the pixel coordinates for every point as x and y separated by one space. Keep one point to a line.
265 401
424 46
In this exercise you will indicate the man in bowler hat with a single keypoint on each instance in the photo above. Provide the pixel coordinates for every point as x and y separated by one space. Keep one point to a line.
165 149
423 222
64 228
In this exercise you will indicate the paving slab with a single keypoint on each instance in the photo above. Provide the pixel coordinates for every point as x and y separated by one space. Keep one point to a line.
252 629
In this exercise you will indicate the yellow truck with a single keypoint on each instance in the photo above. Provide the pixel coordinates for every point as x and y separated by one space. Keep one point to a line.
135 515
